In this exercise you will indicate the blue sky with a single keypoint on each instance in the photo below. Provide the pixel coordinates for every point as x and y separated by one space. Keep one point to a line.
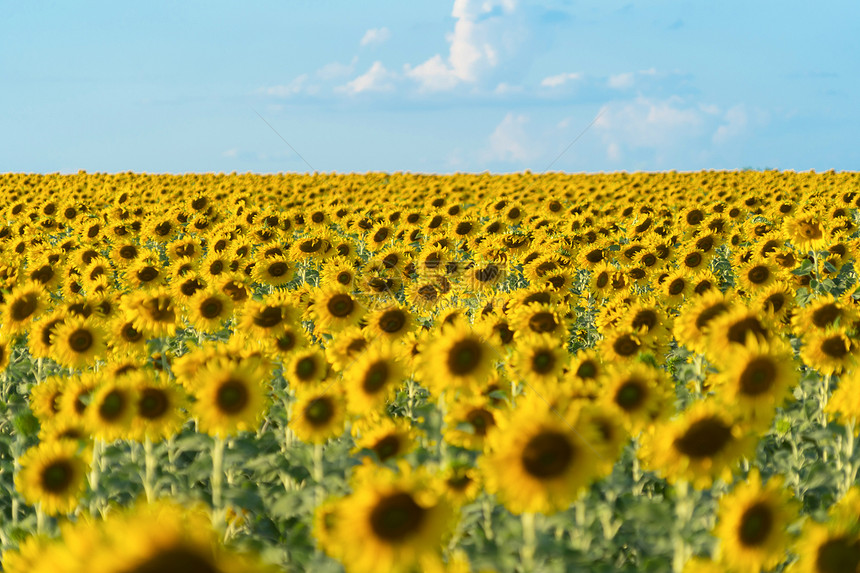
465 85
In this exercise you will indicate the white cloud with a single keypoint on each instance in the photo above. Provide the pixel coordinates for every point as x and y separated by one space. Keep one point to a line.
509 142
298 85
472 50
559 79
375 36
336 70
377 78
506 88
231 153
736 122
621 81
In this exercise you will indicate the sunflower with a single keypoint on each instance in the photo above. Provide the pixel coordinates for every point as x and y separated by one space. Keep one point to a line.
622 345
468 422
775 302
752 523
692 325
639 394
23 305
606 433
125 338
373 378
823 312
704 443
111 409
829 351
462 483
390 323
283 344
539 359
53 475
334 309
387 438
318 415
209 309
153 312
231 396
458 357
807 230
161 406
5 353
539 318
758 378
76 396
346 346
275 271
45 397
757 274
731 330
306 367
396 523
540 459
833 547
78 342
271 314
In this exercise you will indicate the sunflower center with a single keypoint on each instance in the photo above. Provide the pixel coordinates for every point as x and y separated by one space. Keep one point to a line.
286 342
602 279
826 315
24 307
837 555
310 245
543 361
758 274
428 292
756 524
131 334
344 278
676 287
269 317
774 302
387 447
396 517
626 345
147 274
587 370
319 411
834 347
306 367
392 321
175 560
356 345
160 311
211 308
758 376
646 318
340 305
278 269
232 396
112 406
459 482
542 321
594 256
80 340
376 377
481 420
547 455
153 403
464 357
57 476
630 396
504 331
710 314
693 260
811 230
739 331
704 438
487 274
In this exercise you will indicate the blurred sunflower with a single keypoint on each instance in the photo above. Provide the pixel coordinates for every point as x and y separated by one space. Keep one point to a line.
161 406
52 474
231 396
334 309
78 342
458 358
468 421
387 438
209 309
306 367
373 379
539 360
829 351
23 305
318 415
639 394
111 409
752 524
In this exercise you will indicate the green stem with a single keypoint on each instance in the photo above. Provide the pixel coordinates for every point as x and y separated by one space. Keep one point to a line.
149 472
40 519
217 479
529 542
318 474
487 510
683 515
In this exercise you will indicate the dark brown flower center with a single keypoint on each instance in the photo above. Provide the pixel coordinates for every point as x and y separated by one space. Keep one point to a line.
392 321
24 307
543 321
376 377
278 269
269 317
826 315
835 347
232 396
175 560
547 455
57 476
211 308
153 403
645 318
319 411
758 376
481 420
626 345
340 305
80 340
465 356
306 367
396 517
756 524
838 555
704 438
710 313
740 330
631 395
113 405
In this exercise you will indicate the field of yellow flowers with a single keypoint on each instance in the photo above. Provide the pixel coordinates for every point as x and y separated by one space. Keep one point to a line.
409 373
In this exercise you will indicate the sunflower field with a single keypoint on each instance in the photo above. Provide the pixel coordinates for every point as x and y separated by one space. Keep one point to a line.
402 373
